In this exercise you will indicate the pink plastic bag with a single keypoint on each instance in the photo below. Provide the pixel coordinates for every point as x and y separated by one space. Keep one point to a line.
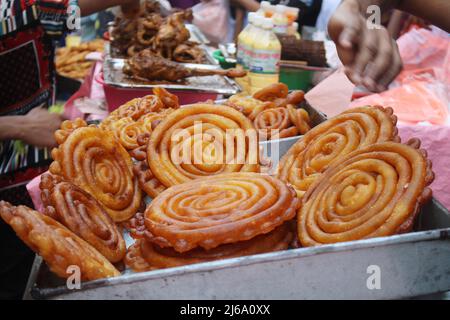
420 92
211 17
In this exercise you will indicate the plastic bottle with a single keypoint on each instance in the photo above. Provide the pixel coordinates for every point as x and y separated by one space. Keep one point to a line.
293 30
266 9
244 42
280 20
265 58
292 14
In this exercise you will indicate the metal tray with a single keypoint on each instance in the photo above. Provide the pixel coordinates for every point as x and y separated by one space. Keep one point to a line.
409 265
114 76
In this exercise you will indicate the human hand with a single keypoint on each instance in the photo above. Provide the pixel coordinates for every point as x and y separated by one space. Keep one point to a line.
370 56
38 127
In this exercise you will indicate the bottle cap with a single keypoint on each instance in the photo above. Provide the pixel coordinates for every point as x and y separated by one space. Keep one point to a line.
265 4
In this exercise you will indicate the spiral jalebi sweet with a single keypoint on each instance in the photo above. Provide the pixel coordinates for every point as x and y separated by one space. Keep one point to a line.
57 245
328 142
217 210
374 191
83 215
144 256
202 140
93 160
281 122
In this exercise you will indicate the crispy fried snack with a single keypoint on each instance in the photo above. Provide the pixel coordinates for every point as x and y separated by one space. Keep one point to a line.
71 61
299 118
92 159
83 215
145 256
126 130
150 120
168 99
374 191
272 92
201 140
56 244
282 122
139 116
218 210
249 106
328 142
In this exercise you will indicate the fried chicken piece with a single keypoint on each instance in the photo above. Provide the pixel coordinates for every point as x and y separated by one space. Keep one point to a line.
145 65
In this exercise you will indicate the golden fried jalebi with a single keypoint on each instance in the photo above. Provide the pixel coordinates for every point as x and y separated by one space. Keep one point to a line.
126 130
202 140
83 215
374 191
218 210
93 159
56 244
144 256
300 118
331 140
168 99
150 120
249 106
282 122
272 92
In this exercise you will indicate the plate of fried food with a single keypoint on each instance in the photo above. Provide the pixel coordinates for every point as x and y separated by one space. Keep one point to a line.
71 62
171 37
188 184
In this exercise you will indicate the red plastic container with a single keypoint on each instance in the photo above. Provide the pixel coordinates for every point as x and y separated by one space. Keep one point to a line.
115 96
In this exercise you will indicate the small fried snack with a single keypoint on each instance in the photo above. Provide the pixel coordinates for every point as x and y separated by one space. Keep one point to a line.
198 141
57 245
83 215
93 160
374 191
218 210
144 256
328 142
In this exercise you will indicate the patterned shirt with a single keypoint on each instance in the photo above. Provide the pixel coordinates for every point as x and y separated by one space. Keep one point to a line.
28 30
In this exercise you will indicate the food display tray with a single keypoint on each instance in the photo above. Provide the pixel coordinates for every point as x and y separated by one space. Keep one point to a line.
405 266
114 76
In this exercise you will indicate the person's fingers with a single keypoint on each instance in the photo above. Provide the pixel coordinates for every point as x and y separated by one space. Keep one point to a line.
394 69
350 34
382 61
367 50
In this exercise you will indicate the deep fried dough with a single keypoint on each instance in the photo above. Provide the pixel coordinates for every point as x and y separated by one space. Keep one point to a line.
93 159
145 256
218 210
57 245
83 215
374 191
331 140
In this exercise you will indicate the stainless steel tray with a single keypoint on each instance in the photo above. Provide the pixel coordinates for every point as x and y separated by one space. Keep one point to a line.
114 76
409 265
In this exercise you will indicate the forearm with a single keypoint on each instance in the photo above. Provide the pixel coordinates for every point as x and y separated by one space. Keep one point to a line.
11 127
249 5
88 7
434 11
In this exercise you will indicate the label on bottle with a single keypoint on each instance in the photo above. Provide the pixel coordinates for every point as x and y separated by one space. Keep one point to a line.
280 28
265 61
243 55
